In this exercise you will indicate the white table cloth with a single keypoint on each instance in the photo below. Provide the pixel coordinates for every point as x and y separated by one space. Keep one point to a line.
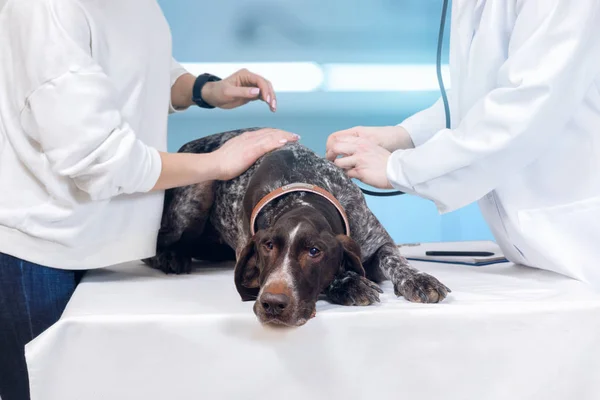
506 332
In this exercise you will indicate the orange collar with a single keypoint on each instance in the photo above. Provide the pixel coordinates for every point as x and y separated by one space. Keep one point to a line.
297 187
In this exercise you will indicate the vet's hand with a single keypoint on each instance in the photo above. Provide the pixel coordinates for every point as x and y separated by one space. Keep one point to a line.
238 89
362 159
391 138
239 153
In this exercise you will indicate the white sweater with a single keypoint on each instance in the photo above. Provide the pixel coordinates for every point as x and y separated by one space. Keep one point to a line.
84 99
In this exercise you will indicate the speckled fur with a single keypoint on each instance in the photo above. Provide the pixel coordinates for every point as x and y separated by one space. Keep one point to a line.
198 219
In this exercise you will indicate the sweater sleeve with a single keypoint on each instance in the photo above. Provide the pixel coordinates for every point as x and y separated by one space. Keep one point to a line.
70 109
176 71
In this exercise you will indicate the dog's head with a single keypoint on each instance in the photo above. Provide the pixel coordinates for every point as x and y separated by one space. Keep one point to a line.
286 267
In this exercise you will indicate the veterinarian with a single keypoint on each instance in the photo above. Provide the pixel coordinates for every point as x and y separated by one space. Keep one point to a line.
525 135
86 90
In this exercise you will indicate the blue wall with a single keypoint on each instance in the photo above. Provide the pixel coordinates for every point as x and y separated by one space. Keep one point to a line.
369 32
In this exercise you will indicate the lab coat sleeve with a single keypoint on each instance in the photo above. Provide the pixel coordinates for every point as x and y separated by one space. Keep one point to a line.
423 125
70 107
553 59
176 71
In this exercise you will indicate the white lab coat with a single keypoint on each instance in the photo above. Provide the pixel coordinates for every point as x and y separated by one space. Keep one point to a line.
525 137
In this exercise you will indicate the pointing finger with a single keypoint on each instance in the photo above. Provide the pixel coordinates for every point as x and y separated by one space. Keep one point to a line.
340 149
346 162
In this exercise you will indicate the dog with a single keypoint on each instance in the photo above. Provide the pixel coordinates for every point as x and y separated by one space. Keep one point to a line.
297 227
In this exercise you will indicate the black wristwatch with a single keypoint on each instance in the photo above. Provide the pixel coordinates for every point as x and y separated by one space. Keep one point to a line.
197 90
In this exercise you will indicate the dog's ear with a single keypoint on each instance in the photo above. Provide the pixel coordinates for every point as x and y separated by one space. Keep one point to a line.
351 255
247 273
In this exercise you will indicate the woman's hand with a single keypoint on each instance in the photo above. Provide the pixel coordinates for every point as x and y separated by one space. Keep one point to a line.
391 138
239 153
229 161
239 89
361 159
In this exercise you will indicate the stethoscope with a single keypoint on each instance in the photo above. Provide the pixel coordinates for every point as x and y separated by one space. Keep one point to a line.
438 66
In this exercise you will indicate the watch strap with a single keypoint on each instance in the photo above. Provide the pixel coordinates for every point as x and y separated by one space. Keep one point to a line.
201 80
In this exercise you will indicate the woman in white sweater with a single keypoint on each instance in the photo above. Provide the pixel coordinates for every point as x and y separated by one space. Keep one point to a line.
86 90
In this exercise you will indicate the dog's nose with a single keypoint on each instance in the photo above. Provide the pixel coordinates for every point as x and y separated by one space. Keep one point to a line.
274 303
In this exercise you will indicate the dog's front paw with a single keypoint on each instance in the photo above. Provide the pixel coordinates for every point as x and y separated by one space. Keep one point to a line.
170 262
421 288
351 289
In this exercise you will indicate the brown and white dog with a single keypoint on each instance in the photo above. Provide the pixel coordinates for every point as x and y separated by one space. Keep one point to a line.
298 228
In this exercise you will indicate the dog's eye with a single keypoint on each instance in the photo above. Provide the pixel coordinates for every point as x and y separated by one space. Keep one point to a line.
313 252
268 245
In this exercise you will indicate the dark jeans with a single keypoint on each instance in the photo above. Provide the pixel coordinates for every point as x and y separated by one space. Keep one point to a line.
32 298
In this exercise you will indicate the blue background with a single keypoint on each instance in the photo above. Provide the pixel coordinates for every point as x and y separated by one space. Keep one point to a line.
369 31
